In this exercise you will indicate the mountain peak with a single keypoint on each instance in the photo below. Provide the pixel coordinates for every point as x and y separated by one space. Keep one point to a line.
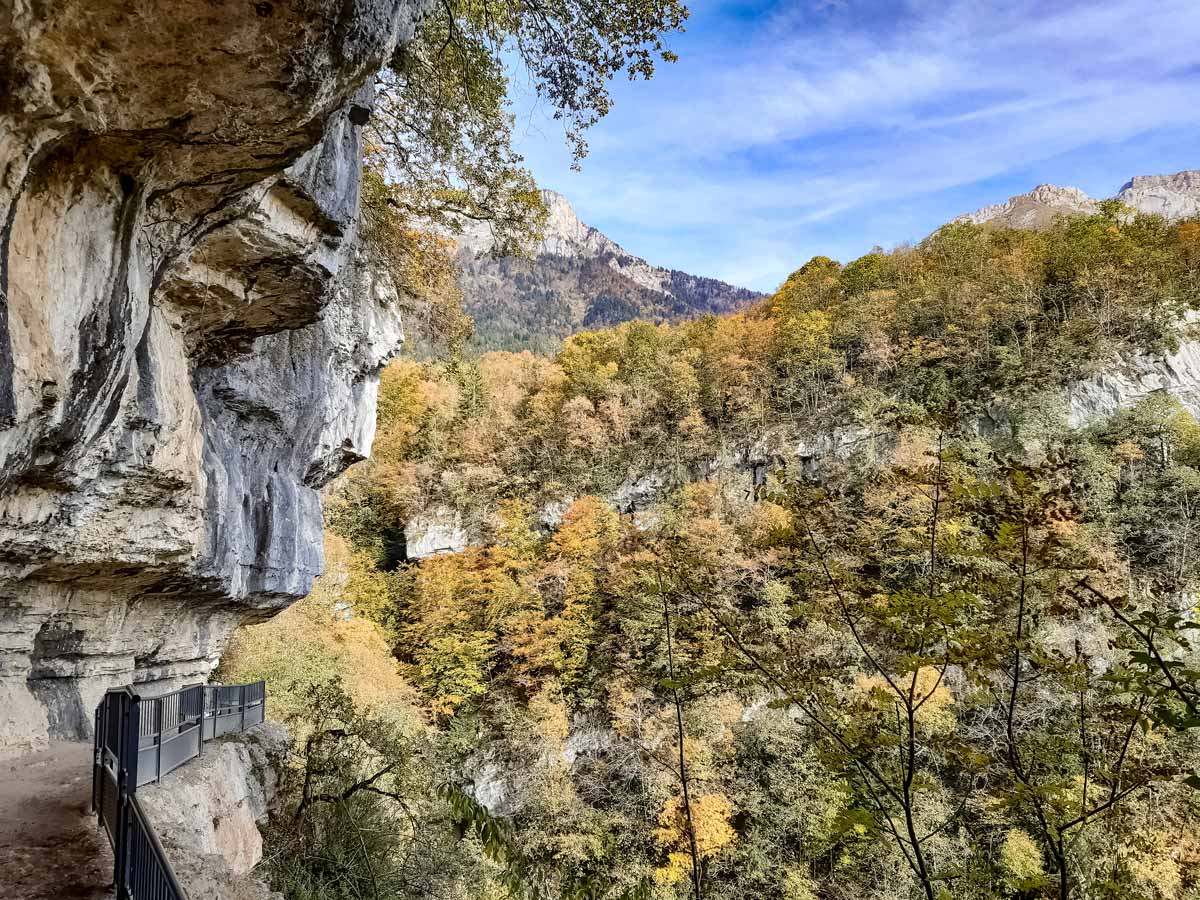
1187 180
577 278
566 235
1172 196
1034 209
1053 193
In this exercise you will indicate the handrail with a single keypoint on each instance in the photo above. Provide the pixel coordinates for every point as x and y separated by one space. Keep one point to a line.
151 875
140 739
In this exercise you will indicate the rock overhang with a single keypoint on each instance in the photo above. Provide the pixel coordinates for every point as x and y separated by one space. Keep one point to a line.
190 337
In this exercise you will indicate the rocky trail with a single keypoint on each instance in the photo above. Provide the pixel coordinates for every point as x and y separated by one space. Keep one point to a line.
50 845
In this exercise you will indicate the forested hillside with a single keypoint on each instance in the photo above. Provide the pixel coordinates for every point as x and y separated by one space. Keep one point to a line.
575 278
830 598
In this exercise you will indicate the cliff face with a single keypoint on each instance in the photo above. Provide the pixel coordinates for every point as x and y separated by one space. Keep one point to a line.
1131 379
189 340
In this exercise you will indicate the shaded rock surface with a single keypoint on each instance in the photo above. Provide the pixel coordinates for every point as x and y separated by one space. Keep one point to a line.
189 340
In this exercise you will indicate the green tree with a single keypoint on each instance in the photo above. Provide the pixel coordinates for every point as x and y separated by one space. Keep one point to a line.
442 124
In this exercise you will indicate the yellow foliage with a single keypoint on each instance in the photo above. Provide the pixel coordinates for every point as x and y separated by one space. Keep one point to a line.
934 716
710 819
324 636
509 378
1128 451
588 530
1153 863
764 522
550 713
698 756
1021 859
420 262
797 886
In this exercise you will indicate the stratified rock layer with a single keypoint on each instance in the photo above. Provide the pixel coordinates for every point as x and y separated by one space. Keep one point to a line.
189 340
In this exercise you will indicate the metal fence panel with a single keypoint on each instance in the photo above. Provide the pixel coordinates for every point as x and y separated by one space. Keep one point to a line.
108 807
150 874
227 723
178 749
139 740
254 715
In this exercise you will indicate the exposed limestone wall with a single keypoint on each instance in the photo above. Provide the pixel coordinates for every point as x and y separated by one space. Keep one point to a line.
1127 381
207 813
189 340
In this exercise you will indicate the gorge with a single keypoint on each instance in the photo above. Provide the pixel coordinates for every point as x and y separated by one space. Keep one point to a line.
881 585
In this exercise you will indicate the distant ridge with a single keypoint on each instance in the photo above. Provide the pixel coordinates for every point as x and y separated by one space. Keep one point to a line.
578 279
1171 196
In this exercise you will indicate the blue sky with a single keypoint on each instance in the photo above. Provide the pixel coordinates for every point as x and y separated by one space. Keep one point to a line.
829 126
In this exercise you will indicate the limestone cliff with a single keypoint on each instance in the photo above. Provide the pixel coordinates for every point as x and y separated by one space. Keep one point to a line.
1127 380
189 339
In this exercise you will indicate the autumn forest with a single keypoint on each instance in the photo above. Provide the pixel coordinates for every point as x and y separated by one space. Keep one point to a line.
858 593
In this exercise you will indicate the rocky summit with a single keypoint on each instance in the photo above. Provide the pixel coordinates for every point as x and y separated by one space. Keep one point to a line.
576 278
1171 196
189 341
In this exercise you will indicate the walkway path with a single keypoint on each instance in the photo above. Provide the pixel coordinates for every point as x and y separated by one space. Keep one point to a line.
50 847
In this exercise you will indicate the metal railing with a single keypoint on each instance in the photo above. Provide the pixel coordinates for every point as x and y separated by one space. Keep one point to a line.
174 727
141 739
150 876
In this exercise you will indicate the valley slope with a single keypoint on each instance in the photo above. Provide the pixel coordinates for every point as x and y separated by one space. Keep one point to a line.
576 278
920 496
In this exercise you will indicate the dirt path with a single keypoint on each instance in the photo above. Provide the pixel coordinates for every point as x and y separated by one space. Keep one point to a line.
50 847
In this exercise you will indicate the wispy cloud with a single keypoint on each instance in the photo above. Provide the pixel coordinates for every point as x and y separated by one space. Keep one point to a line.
829 127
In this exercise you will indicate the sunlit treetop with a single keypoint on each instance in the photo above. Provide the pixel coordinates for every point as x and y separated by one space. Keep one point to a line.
442 129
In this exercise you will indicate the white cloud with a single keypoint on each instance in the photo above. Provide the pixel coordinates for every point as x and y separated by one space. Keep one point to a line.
736 161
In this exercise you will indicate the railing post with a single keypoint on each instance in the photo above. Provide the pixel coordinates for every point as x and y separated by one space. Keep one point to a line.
96 756
198 692
159 728
133 738
128 869
127 740
132 746
204 713
242 704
